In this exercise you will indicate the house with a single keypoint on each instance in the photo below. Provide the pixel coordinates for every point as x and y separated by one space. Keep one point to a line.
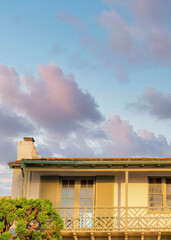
99 198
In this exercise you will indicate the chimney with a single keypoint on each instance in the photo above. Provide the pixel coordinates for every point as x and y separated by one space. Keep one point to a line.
26 149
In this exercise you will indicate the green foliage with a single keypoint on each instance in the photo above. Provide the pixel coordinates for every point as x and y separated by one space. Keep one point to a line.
5 236
32 219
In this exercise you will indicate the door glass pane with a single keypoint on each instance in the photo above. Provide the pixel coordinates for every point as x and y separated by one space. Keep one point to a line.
83 203
152 204
64 192
155 188
89 202
168 189
158 188
70 202
64 202
152 188
89 193
71 193
168 200
68 193
151 198
155 200
83 193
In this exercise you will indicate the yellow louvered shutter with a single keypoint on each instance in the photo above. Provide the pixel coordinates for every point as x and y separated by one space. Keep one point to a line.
49 187
105 191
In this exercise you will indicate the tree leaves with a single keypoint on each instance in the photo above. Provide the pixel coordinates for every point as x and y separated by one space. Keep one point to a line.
31 219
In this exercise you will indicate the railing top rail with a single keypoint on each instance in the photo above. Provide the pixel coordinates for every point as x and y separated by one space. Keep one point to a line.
150 208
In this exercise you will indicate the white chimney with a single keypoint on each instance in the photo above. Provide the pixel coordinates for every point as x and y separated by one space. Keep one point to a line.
26 149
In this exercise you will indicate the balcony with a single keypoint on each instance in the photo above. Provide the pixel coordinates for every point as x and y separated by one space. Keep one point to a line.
113 219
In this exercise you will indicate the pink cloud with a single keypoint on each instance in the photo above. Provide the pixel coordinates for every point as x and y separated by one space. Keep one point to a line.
124 141
155 103
142 39
54 101
159 45
114 138
119 32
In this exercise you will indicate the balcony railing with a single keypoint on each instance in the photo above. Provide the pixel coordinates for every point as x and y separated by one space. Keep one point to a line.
113 219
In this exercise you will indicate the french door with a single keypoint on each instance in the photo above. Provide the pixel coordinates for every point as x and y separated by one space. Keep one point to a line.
77 201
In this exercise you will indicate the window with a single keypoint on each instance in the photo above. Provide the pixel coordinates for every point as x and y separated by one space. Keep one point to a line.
78 192
159 192
155 192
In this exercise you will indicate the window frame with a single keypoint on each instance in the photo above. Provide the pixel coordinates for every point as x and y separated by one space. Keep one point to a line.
77 189
163 208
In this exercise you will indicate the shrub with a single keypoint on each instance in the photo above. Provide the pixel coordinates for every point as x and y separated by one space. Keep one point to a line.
31 219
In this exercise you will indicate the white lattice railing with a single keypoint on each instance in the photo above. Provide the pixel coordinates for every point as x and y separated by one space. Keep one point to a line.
99 219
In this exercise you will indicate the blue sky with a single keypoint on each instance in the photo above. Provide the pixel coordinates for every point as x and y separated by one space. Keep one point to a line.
85 78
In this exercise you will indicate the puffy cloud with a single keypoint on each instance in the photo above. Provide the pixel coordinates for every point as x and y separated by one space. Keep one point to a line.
13 125
159 45
124 141
113 138
53 101
135 42
143 36
155 103
119 33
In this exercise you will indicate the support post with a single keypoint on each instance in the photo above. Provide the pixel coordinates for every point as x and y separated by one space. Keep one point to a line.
126 236
159 236
142 236
92 236
126 200
25 183
109 236
28 184
75 236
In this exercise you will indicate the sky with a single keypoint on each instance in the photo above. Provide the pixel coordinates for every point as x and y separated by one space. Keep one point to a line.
85 79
